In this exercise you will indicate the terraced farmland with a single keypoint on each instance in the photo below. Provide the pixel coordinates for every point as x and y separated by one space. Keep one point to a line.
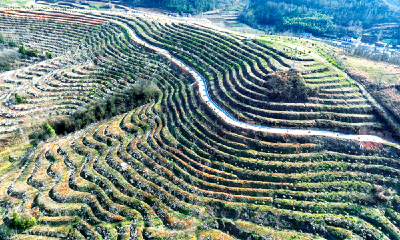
86 68
244 78
171 168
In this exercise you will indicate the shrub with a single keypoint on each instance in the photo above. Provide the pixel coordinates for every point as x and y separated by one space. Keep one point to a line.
31 53
49 55
36 137
144 126
18 98
21 49
49 130
2 39
3 235
22 222
12 44
11 159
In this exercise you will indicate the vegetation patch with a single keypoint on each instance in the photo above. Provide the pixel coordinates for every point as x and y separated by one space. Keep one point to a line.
22 222
135 96
288 86
296 16
18 98
28 52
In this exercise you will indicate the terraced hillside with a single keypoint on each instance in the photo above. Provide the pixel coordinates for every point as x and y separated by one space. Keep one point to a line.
171 168
248 78
86 68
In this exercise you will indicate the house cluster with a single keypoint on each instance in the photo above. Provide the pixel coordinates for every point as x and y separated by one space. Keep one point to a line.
307 35
344 42
178 15
372 39
347 41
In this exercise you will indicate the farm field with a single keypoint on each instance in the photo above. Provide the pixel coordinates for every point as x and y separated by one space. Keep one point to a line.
381 79
244 78
110 138
18 3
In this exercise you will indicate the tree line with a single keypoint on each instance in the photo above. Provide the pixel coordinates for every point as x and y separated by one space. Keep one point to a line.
140 93
321 17
189 6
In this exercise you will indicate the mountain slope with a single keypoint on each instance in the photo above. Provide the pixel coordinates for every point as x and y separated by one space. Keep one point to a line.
319 16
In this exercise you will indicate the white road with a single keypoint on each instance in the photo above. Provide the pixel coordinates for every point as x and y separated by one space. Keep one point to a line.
235 122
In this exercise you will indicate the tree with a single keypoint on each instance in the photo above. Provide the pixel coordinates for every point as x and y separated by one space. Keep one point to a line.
192 6
314 23
32 53
348 15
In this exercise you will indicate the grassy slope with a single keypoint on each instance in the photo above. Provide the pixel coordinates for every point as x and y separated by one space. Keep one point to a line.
17 3
378 71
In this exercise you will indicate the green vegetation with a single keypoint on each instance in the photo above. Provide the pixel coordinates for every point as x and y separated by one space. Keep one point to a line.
238 24
37 136
21 223
320 18
28 52
322 49
237 7
49 55
95 5
19 3
49 130
314 23
333 61
191 6
43 134
18 98
137 95
12 43
2 41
